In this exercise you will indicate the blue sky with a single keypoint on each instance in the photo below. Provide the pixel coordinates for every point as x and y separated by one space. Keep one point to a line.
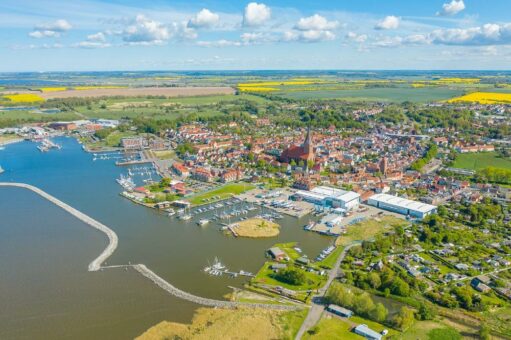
85 35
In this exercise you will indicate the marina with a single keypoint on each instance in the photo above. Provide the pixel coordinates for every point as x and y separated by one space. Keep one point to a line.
145 236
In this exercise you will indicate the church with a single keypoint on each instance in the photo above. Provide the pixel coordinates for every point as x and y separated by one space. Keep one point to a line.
299 153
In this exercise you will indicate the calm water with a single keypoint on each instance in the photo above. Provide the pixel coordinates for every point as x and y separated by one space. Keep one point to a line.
45 289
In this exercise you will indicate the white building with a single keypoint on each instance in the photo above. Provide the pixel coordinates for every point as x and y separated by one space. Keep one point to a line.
331 197
402 205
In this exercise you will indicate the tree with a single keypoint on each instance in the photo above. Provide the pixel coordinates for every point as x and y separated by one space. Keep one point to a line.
363 304
164 182
374 280
378 313
426 312
293 276
404 318
399 287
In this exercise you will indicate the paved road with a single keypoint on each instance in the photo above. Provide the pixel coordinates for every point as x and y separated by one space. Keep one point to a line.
317 300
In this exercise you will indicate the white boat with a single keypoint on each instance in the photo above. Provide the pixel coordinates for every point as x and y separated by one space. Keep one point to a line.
203 222
171 212
186 217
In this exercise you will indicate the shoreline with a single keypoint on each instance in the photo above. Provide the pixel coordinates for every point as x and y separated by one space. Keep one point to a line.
11 141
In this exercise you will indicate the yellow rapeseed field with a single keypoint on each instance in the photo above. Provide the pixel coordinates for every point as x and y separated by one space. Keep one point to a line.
277 83
484 98
52 89
256 89
24 98
445 81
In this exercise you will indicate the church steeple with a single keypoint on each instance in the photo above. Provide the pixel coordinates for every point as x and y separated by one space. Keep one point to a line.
307 144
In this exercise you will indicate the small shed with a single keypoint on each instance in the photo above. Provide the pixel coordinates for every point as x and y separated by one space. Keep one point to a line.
277 253
338 310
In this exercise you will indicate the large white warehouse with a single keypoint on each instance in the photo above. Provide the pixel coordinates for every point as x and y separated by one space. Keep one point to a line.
331 197
401 205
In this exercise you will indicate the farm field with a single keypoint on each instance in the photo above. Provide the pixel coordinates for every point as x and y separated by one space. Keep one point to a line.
484 98
157 108
384 94
481 160
82 92
25 116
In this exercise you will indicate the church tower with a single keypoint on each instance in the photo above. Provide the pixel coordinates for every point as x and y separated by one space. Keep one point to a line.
308 147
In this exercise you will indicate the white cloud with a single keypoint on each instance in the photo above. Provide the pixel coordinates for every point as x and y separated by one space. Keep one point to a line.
98 37
219 43
390 22
256 14
52 29
316 23
92 44
205 18
255 38
308 36
359 38
60 25
452 8
312 29
488 34
144 31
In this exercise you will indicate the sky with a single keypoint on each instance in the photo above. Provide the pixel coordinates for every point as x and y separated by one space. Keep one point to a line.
112 35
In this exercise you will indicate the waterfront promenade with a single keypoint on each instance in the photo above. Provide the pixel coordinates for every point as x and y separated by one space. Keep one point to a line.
96 264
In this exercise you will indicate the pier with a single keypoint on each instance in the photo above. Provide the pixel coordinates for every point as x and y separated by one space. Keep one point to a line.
96 264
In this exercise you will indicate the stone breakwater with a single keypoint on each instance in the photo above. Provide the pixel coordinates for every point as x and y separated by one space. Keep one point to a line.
96 264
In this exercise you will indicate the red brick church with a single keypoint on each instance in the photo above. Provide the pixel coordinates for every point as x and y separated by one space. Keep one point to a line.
299 153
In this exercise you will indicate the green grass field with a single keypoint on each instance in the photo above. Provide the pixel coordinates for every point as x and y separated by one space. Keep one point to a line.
164 109
329 261
264 276
368 229
384 94
329 328
481 160
220 193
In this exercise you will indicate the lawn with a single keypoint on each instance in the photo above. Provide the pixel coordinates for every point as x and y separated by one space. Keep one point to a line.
332 328
264 276
223 192
481 160
421 330
368 229
329 261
